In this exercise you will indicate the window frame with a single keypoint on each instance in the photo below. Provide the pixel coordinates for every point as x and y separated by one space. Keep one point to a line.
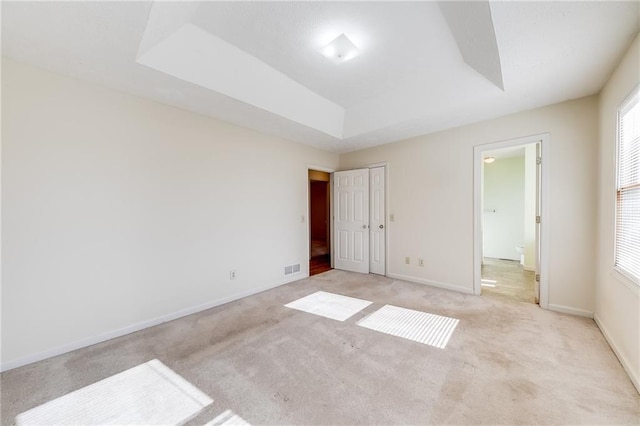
629 278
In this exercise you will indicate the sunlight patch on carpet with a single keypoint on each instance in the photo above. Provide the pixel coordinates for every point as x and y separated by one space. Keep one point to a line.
150 393
422 327
228 418
329 305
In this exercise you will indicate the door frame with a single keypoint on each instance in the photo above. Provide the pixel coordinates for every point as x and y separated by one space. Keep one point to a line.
478 150
308 212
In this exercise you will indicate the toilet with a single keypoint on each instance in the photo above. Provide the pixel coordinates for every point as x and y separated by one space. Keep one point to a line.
520 249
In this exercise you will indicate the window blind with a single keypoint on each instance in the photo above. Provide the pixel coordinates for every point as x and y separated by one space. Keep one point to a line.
627 247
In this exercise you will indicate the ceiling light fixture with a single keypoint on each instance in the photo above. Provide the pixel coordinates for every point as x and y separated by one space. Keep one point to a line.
341 49
489 160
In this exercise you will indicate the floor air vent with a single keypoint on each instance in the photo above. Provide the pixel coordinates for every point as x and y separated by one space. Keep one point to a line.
292 269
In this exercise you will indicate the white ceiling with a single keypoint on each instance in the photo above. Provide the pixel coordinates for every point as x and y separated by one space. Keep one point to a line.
423 66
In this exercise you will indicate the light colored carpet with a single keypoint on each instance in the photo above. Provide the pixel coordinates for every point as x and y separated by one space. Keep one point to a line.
329 305
149 394
507 362
422 327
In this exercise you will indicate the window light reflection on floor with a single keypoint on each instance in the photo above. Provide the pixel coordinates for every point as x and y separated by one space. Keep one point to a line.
150 393
488 283
422 327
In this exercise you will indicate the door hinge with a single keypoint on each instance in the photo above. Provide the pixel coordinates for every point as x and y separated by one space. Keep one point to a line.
538 160
537 219
537 278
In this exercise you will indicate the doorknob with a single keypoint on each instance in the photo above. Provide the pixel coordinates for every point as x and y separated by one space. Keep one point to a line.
381 226
364 226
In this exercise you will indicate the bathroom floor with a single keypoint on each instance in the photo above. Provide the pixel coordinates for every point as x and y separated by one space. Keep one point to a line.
507 278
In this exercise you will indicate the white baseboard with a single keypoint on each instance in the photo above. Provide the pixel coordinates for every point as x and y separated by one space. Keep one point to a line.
82 343
623 360
431 283
570 310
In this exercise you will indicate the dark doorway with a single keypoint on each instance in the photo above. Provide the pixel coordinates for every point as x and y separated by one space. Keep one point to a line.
319 222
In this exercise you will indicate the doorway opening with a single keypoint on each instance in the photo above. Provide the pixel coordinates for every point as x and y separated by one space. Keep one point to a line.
508 222
319 222
510 199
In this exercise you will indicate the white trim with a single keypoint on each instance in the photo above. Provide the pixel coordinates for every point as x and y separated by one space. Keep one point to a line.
332 219
626 277
88 341
544 210
431 283
569 310
381 164
319 168
619 276
625 363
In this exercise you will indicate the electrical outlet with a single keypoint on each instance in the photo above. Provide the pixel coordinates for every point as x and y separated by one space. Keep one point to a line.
233 275
407 260
420 262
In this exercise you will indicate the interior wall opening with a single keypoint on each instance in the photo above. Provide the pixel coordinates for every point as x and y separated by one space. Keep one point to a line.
319 222
510 203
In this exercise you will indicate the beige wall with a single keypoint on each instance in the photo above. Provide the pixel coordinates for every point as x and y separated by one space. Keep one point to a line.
617 299
118 212
431 197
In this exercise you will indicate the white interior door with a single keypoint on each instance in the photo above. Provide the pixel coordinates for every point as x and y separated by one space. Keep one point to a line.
351 225
377 221
536 290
